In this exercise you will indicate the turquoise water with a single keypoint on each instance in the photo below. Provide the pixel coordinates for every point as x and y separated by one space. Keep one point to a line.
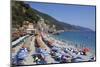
79 39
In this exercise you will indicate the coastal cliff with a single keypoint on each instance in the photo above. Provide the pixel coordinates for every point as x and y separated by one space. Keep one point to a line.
22 11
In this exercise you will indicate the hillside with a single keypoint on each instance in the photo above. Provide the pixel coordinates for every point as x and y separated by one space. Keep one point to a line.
22 11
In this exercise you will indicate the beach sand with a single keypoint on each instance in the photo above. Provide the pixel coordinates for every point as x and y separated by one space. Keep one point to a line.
30 42
29 59
40 42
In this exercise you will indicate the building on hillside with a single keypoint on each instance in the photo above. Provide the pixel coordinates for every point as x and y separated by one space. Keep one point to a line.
42 26
30 29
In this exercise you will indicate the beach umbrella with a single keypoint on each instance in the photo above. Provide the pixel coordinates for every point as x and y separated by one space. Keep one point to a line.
23 53
86 49
54 48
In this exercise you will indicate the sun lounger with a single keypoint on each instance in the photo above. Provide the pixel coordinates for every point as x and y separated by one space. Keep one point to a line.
21 55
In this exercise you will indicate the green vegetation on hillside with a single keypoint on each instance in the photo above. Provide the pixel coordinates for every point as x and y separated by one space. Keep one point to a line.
23 12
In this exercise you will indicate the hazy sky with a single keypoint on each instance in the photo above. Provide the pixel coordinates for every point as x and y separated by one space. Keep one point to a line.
72 14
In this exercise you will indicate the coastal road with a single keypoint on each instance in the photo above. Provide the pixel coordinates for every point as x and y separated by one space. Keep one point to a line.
17 48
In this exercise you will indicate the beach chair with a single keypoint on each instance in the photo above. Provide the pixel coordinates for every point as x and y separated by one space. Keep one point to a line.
21 55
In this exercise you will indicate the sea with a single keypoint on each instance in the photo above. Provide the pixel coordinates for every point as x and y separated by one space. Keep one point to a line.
79 39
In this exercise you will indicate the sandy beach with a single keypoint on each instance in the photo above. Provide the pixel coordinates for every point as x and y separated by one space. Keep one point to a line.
50 49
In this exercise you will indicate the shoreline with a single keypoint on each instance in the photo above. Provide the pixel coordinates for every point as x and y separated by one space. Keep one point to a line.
65 44
69 44
78 43
47 45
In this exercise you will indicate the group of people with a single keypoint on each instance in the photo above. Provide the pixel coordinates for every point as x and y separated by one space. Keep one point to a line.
67 54
58 53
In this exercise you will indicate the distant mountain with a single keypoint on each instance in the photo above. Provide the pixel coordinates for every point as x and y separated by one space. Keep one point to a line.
22 11
59 24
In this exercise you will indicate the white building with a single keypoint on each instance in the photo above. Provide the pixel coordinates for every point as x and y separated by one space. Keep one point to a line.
30 29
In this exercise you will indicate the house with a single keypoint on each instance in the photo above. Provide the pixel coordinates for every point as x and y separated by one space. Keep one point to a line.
30 28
